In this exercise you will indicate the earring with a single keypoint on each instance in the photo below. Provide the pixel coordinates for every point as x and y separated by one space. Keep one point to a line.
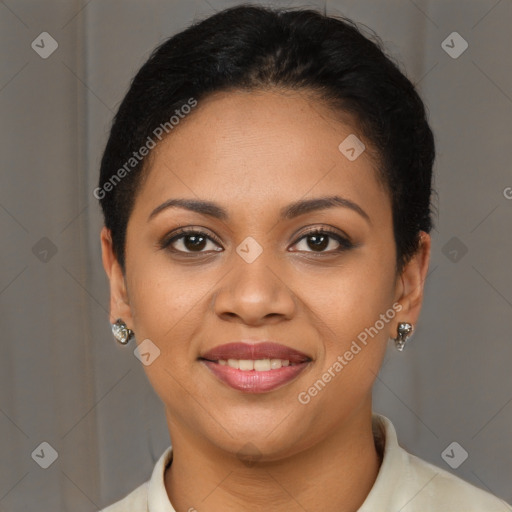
121 332
404 331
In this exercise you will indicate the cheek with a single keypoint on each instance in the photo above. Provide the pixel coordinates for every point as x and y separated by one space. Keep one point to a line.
352 299
354 314
167 306
162 293
354 321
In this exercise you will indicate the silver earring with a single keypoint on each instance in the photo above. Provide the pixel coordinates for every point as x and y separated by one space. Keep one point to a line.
403 332
121 332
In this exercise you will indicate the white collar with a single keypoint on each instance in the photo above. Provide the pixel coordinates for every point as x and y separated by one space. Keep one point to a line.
404 482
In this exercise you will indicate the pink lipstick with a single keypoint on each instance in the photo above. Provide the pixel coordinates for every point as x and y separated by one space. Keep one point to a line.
255 368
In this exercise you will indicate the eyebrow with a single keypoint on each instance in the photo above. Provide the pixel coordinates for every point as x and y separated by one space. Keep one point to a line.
290 211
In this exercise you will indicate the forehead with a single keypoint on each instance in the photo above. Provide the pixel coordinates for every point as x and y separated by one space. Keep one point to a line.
264 147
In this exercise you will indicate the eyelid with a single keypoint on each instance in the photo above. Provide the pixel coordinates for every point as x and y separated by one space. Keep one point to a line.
324 228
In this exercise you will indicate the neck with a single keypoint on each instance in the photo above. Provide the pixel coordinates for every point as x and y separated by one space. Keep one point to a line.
335 473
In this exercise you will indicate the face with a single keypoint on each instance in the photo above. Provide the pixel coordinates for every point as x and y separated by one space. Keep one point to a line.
264 262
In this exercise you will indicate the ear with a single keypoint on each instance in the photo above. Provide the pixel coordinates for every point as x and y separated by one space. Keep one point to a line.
119 302
410 284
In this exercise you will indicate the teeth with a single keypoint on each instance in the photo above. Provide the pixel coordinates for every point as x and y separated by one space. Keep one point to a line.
246 364
262 365
259 365
276 363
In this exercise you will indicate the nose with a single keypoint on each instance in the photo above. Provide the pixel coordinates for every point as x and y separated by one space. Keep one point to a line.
254 293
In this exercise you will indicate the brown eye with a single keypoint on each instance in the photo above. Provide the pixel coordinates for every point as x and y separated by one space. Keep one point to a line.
319 240
189 241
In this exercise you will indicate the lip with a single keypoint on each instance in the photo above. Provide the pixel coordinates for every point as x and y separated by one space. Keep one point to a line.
252 381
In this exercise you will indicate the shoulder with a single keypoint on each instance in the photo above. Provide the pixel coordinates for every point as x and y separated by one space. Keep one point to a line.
446 492
410 484
150 495
136 501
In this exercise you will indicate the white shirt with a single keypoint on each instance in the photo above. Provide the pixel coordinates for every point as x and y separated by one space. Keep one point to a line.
404 483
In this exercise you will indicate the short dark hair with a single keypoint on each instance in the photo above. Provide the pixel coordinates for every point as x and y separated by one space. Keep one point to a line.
253 48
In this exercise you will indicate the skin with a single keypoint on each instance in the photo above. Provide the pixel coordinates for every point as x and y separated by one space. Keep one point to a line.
253 153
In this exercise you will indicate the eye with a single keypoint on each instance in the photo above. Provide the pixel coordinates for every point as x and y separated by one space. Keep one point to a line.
189 241
320 238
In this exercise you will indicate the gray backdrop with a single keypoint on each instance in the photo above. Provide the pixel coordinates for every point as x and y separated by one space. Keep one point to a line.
65 382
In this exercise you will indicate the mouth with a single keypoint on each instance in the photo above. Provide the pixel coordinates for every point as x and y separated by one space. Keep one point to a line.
255 368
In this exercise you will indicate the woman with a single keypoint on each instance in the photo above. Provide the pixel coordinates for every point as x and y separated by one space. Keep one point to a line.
266 193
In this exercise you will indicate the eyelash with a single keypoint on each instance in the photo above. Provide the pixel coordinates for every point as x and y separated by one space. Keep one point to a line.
345 243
